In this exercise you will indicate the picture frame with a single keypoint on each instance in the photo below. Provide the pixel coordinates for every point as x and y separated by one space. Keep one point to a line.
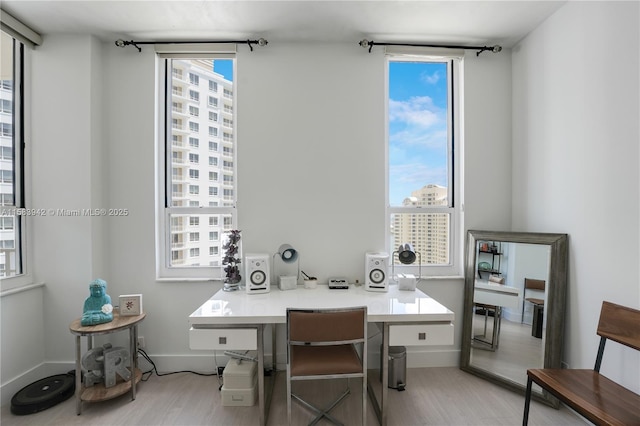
130 304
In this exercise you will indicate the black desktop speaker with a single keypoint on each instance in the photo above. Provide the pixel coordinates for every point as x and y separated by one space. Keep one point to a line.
257 273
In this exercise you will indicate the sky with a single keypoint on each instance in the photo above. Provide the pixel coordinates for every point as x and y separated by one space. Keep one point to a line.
224 67
417 127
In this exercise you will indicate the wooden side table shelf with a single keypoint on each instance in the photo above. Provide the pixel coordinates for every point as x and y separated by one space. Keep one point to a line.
98 392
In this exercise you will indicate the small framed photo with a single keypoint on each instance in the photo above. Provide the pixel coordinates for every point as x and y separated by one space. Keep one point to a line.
130 304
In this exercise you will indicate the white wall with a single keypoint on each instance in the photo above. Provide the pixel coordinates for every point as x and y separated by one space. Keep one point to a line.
310 132
575 161
571 132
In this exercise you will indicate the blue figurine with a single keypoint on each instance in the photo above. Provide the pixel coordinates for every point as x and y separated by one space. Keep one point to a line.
97 307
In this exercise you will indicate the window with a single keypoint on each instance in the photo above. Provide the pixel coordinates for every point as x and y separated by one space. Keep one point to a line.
7 106
6 129
190 212
422 179
12 188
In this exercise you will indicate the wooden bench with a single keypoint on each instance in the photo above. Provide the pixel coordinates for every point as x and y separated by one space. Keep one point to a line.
592 395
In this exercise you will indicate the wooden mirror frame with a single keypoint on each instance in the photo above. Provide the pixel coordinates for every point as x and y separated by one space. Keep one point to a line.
554 306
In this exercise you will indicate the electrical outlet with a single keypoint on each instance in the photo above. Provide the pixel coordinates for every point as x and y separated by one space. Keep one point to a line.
220 370
140 342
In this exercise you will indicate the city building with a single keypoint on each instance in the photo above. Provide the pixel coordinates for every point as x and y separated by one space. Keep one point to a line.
428 233
7 217
202 157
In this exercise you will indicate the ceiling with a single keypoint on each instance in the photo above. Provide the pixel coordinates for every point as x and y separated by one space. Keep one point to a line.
443 22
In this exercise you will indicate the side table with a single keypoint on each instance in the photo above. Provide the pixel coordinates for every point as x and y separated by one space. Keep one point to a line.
98 392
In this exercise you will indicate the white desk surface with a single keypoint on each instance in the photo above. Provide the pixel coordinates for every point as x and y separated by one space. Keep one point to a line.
270 308
498 288
496 294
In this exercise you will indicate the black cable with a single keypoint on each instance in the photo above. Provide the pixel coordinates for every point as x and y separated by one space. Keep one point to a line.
154 369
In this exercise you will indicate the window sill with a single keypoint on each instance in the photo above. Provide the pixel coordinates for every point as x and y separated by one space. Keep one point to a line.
18 287
443 277
190 280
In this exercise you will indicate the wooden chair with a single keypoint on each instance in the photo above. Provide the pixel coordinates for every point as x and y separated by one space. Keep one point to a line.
323 344
592 395
531 284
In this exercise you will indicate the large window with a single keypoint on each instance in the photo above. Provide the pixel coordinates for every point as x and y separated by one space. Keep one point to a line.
189 216
423 194
12 213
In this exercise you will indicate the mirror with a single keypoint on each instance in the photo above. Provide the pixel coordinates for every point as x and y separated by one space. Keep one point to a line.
508 326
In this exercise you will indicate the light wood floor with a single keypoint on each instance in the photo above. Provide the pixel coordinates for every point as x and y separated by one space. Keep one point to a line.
518 350
434 396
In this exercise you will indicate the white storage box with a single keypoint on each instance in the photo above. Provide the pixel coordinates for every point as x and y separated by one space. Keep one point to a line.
239 374
406 282
238 397
287 282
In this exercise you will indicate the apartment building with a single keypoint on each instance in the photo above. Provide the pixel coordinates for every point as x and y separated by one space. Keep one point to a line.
428 233
202 160
7 216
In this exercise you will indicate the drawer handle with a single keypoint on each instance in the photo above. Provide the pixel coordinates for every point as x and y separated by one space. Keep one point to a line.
422 336
222 340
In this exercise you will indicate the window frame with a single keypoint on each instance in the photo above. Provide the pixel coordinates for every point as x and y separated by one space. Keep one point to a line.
20 151
454 155
164 270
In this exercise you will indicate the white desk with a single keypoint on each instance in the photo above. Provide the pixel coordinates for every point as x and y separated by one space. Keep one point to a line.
498 295
236 321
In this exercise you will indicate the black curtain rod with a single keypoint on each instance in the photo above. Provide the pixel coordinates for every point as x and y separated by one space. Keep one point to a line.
250 43
480 49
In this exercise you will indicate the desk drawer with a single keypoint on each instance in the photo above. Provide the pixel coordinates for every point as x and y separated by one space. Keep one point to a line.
223 338
421 334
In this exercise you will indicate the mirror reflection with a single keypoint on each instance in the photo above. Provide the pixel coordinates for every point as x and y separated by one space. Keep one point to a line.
508 325
513 319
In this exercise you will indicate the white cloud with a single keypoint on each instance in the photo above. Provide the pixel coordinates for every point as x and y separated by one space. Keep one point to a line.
430 78
435 138
417 111
416 175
